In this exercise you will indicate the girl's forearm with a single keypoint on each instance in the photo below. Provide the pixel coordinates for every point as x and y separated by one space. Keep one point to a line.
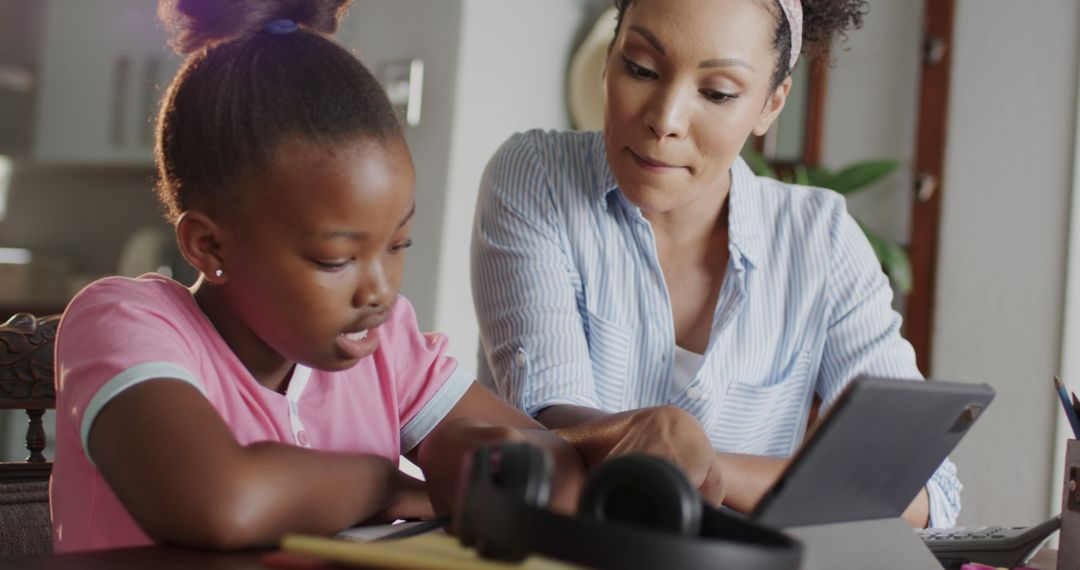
261 497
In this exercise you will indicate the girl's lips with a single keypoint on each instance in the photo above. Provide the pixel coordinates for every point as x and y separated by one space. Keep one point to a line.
358 344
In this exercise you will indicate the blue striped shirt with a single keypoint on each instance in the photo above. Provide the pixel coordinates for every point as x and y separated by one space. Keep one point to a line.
573 308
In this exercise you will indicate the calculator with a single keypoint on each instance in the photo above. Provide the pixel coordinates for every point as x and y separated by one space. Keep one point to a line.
990 545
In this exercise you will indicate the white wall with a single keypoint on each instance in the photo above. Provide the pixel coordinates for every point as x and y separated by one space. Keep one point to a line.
870 111
1003 227
1002 245
383 31
514 56
491 68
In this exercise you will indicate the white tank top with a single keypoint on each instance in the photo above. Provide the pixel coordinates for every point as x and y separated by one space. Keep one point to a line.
686 367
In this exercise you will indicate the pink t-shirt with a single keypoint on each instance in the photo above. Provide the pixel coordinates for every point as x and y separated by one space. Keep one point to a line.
118 332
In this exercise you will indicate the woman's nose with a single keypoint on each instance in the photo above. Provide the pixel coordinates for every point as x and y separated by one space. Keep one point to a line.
667 114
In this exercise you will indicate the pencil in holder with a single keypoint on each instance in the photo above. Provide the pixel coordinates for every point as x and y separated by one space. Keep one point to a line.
1069 540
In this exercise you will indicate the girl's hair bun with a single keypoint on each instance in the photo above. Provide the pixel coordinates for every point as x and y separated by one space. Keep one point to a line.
196 24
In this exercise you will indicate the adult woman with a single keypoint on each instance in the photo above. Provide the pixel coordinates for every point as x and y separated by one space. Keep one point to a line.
641 289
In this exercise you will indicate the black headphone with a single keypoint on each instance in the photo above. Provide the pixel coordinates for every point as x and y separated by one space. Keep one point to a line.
636 511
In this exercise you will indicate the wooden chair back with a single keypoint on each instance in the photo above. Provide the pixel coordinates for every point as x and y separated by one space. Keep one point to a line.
27 384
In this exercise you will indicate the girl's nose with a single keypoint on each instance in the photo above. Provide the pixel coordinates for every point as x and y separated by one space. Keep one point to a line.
373 289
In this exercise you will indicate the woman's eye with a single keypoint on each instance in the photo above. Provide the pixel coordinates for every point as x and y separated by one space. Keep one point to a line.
330 264
717 96
397 247
639 71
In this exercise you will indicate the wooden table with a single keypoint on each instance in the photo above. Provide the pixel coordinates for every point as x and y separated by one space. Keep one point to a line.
163 557
1046 559
149 557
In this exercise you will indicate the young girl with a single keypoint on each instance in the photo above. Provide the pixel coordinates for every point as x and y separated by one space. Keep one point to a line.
275 394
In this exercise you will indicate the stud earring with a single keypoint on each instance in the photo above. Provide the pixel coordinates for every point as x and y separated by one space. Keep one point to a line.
219 272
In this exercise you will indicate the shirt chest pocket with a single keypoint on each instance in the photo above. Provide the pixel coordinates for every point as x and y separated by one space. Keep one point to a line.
768 417
609 351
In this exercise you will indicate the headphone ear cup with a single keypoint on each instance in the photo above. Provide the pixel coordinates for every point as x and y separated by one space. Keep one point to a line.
521 473
644 491
476 473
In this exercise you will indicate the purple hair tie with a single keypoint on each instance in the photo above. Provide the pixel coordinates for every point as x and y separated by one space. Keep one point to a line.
282 26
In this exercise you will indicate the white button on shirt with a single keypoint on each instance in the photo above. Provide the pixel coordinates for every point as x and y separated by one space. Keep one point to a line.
566 278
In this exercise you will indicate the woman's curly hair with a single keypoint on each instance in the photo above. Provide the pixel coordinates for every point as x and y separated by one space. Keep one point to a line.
823 20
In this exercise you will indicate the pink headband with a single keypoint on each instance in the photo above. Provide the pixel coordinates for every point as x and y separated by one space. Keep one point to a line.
793 13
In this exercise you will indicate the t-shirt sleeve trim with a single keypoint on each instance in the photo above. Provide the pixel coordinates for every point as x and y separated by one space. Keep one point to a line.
436 408
124 380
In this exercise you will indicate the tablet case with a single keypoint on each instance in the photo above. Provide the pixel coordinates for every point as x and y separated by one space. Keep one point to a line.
847 486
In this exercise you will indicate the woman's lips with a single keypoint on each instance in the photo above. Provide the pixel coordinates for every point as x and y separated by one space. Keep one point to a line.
652 164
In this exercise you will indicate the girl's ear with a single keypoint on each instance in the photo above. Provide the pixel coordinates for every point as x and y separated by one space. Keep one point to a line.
199 238
772 108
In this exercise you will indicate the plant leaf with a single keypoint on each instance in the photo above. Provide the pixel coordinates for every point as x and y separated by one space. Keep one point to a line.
802 175
861 175
757 163
893 258
820 177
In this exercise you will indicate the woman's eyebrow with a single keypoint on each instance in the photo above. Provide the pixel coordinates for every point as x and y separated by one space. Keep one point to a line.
649 37
708 63
725 62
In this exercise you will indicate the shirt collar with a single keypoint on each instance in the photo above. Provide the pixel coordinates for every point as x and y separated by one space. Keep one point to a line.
605 179
745 214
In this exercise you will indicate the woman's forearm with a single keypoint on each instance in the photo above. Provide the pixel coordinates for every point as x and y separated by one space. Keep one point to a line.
443 451
593 433
748 477
667 432
918 512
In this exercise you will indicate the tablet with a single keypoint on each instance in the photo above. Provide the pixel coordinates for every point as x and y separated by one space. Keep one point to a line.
874 451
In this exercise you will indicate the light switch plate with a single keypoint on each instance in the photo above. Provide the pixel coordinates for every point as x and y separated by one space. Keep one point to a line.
404 82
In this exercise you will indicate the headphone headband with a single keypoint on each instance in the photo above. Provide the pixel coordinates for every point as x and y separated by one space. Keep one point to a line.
503 525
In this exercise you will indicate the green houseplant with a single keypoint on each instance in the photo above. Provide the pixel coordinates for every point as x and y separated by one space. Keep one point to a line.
849 180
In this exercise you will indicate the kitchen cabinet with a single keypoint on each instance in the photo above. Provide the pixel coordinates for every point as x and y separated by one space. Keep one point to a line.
104 66
20 28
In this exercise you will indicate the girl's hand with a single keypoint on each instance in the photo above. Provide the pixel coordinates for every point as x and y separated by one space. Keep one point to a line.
410 502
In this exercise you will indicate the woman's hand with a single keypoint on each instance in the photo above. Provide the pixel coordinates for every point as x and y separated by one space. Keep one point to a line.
482 418
673 434
665 431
